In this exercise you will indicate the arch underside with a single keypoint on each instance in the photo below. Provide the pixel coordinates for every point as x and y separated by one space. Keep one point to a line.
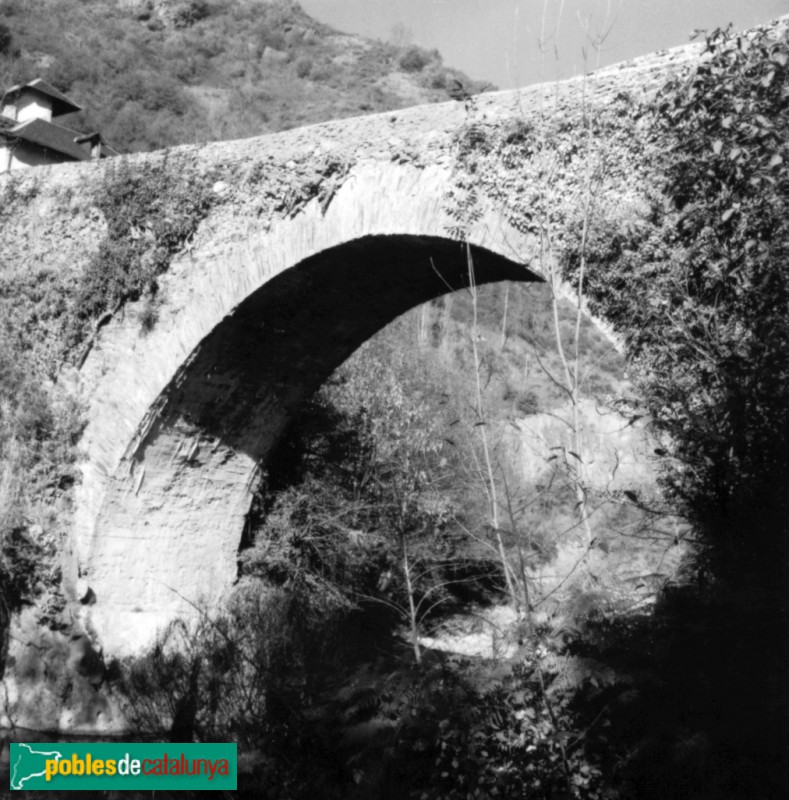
168 533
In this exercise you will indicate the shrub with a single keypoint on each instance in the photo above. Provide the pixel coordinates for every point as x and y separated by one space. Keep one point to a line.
415 59
188 13
247 674
39 431
303 67
150 212
528 403
435 77
6 39
152 92
21 558
465 734
324 71
149 315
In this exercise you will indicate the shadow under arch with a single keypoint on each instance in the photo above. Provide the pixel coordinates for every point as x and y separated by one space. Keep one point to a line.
167 536
288 336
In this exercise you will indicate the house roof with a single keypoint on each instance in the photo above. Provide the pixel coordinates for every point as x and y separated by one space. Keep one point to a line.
60 103
53 137
92 139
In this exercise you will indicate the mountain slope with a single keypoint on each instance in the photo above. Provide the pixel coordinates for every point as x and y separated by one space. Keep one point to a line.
155 73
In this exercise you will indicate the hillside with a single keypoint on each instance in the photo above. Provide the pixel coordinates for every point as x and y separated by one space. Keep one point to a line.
156 73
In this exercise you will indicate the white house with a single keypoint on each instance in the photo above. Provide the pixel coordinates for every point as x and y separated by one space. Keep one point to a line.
29 138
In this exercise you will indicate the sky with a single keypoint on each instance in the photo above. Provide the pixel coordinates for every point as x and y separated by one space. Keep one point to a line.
499 40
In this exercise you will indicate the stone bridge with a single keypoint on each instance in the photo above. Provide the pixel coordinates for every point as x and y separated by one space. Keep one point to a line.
316 239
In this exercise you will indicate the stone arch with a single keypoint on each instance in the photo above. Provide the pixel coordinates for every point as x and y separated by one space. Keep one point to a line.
162 477
167 532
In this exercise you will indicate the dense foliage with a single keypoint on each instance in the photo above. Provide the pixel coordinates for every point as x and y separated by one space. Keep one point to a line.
151 212
39 429
724 387
705 297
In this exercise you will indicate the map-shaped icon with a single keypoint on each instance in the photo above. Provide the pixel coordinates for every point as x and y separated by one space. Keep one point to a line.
30 763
